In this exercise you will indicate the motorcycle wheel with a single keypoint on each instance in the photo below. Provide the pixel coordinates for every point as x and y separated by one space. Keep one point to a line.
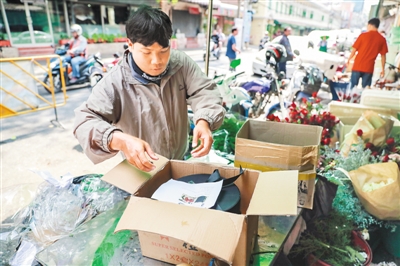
56 83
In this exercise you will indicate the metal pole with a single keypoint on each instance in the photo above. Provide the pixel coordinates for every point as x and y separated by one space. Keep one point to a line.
49 21
238 10
377 9
244 22
66 18
102 15
3 13
29 21
210 8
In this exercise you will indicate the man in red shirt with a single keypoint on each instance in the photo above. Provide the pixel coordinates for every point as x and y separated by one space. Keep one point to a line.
368 45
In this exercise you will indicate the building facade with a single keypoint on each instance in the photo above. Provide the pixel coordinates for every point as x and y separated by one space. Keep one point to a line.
301 16
44 22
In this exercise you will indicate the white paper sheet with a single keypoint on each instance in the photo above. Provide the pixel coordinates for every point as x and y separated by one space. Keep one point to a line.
202 195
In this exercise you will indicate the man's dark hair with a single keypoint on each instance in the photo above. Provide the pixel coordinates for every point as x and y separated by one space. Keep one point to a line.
148 25
234 29
374 22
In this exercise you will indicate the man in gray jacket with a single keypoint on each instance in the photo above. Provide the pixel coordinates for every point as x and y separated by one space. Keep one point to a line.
140 107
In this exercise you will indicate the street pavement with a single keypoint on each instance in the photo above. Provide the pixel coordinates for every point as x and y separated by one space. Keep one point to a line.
32 142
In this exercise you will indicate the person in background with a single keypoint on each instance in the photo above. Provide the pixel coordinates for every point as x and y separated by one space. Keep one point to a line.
366 48
222 37
231 49
323 44
215 39
141 107
264 40
286 43
77 51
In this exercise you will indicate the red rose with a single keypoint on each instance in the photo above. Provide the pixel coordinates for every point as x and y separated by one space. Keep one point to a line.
393 149
369 146
390 141
304 100
359 132
314 95
304 111
375 153
287 119
293 105
277 119
318 100
326 141
271 117
385 158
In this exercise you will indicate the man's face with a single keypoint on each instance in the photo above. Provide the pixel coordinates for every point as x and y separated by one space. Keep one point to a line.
234 33
152 60
288 32
74 34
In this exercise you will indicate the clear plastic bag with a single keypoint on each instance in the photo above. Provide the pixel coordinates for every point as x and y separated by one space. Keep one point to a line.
81 246
60 207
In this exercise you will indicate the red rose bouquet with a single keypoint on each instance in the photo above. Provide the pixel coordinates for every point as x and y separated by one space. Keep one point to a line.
309 113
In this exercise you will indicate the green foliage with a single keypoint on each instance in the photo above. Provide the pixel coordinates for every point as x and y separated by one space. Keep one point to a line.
225 137
64 35
346 201
329 239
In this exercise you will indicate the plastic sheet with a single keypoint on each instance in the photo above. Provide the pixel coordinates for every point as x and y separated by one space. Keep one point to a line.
60 207
93 243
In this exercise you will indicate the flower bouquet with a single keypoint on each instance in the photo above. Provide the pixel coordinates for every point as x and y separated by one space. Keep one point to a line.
309 113
350 95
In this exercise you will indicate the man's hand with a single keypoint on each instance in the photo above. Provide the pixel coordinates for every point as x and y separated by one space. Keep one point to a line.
201 132
134 150
70 52
382 73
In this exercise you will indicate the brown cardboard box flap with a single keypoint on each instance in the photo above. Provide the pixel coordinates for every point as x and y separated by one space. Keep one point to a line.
281 133
129 178
213 231
275 194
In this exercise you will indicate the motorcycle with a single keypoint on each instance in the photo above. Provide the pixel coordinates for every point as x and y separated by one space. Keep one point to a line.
84 67
307 80
215 51
97 72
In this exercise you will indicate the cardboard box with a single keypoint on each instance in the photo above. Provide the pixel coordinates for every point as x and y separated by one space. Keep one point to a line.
381 99
306 189
176 233
269 146
342 109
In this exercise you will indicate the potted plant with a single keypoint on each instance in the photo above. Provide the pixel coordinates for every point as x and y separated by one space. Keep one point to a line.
119 38
3 41
332 240
63 39
174 42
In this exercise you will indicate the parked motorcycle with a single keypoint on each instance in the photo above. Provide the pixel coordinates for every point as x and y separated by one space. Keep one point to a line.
84 67
306 80
216 52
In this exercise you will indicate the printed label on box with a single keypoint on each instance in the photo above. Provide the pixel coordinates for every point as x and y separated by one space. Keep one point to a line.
172 250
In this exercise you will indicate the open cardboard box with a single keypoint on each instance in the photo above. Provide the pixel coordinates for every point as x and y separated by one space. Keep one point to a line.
176 233
268 146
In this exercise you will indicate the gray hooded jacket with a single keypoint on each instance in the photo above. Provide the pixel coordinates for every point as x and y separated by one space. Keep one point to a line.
155 114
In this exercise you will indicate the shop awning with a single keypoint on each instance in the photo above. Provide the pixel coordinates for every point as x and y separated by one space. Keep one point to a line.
216 3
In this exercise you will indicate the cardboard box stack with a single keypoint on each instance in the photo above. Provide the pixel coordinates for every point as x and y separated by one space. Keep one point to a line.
272 146
182 234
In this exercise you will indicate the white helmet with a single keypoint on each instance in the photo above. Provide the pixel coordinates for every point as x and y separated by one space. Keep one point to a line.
76 28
